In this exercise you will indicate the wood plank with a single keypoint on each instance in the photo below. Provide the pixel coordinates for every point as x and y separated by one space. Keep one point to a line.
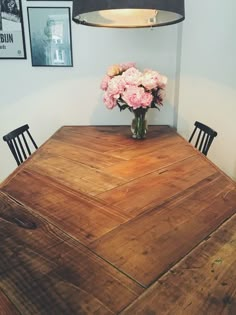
66 277
94 143
153 189
99 139
28 231
84 156
66 280
73 174
202 283
115 139
6 306
109 134
81 217
147 246
112 134
148 145
150 162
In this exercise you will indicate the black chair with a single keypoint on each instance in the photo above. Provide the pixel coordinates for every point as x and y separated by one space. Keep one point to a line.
204 136
20 143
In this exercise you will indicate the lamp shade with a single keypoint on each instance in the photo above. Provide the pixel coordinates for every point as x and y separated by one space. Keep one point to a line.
128 13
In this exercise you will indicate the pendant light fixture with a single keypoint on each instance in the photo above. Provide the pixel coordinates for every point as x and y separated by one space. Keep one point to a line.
128 13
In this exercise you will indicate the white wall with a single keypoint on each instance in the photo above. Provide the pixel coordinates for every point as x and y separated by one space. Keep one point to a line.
48 97
208 76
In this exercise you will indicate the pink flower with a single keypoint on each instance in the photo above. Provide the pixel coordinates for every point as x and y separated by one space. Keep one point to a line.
150 79
105 82
132 76
147 99
127 87
127 65
116 86
109 101
136 97
162 81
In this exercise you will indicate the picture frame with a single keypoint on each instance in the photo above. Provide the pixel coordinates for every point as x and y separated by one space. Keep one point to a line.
47 0
50 36
12 36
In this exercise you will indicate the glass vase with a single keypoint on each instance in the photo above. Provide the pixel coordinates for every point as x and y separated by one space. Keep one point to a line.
139 125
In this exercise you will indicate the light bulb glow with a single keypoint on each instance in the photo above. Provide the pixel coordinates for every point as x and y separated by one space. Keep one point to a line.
120 14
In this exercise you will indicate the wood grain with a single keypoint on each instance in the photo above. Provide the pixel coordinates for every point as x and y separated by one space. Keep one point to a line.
95 142
81 217
72 174
147 146
202 283
43 271
119 134
144 193
95 222
143 164
6 307
85 156
149 245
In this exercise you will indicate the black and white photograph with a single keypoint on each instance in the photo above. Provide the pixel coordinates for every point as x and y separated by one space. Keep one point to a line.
50 36
12 41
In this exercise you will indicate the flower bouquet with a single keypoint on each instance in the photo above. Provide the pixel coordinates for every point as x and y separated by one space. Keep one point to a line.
127 87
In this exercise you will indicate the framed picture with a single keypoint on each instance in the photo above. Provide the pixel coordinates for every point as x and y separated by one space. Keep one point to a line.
12 40
50 36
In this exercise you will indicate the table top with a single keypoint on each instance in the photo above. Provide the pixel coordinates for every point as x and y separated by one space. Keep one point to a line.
95 222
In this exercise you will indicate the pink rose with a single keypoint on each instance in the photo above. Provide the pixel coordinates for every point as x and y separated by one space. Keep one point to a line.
136 97
109 101
132 76
150 79
162 81
147 99
127 65
105 82
116 86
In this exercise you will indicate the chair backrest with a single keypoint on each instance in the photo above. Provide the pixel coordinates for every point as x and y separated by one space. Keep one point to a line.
20 143
203 136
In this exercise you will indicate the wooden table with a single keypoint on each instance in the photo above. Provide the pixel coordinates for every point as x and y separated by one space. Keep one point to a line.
96 222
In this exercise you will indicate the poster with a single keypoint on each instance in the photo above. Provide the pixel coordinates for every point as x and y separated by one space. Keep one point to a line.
50 36
12 41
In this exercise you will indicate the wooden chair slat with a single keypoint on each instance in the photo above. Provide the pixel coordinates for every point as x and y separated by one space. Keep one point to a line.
205 137
19 144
